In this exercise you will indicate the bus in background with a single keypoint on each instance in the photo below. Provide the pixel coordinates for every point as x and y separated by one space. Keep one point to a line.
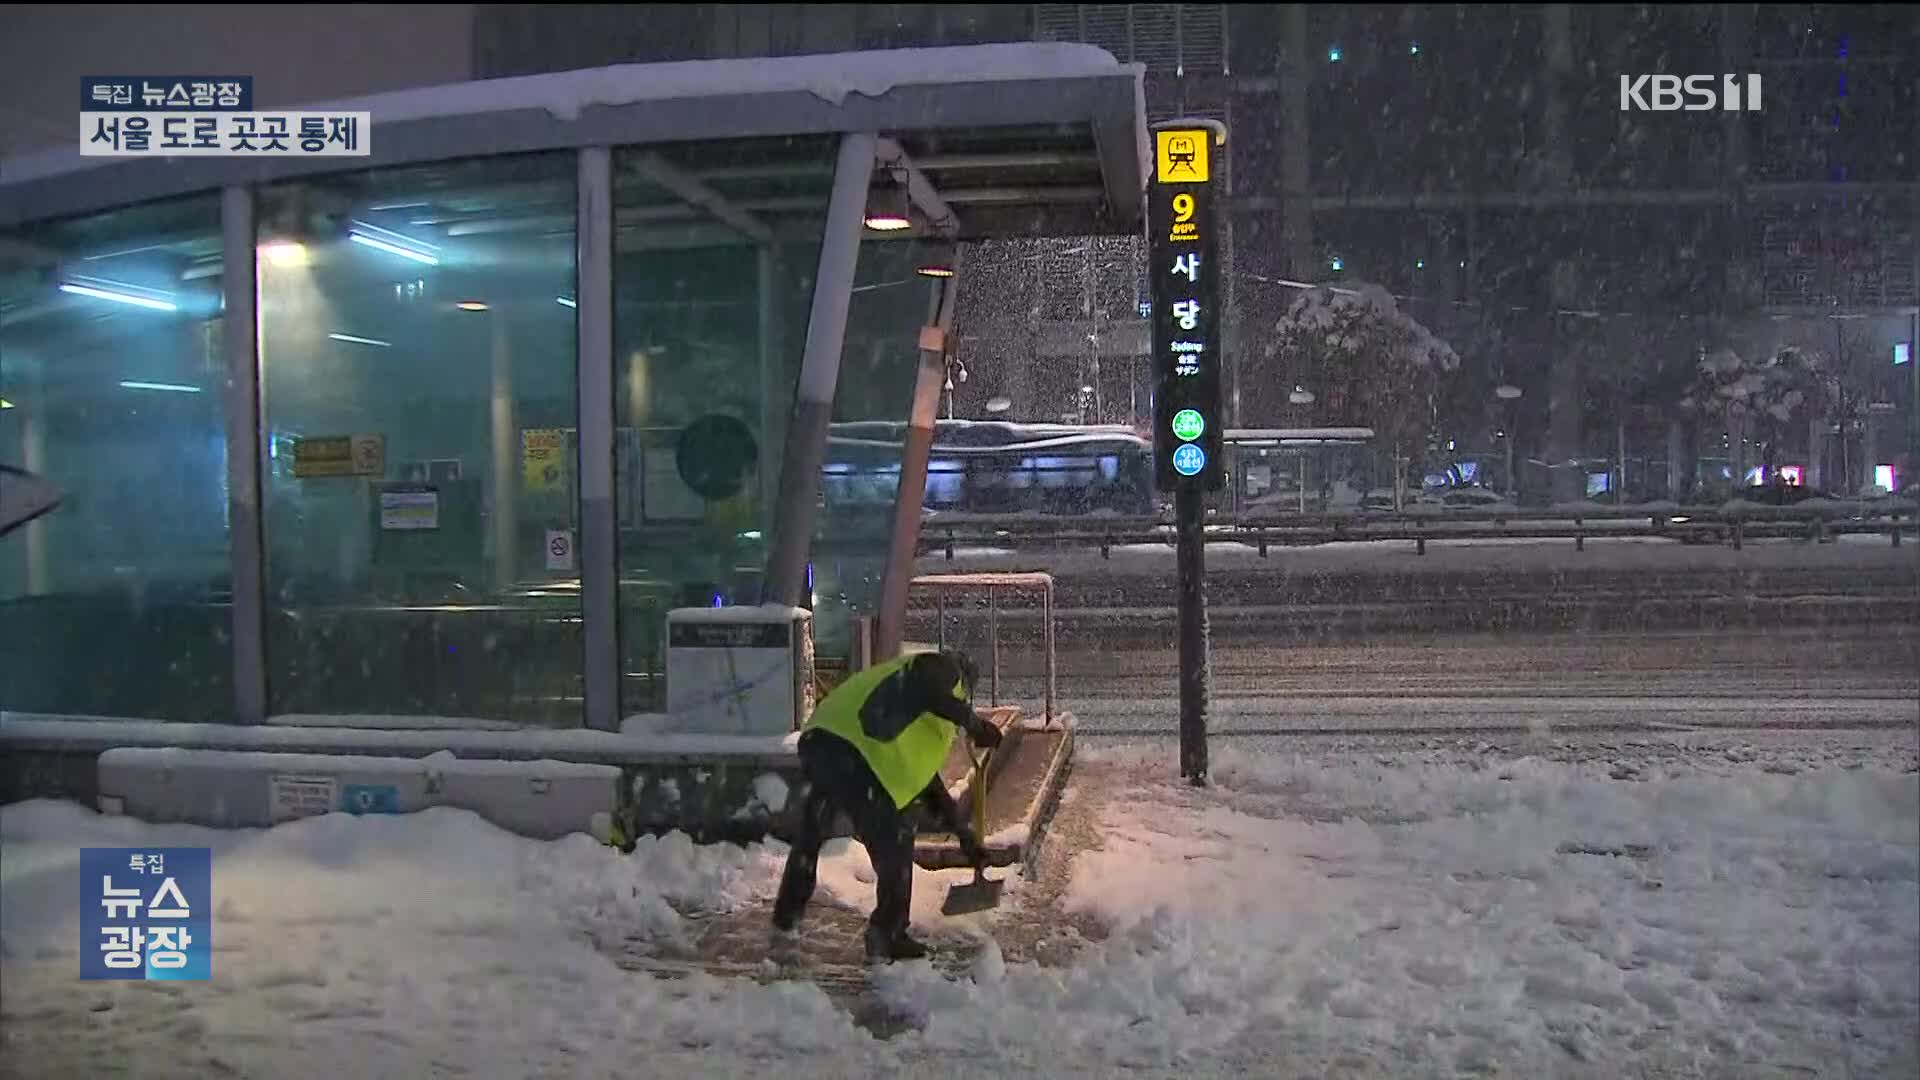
1068 470
993 467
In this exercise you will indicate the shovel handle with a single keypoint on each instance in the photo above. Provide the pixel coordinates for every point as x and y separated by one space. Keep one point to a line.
979 798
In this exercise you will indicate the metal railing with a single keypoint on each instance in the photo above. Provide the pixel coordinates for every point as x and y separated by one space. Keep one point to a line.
1733 524
944 585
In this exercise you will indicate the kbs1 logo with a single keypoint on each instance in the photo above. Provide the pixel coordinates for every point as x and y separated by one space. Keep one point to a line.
1691 93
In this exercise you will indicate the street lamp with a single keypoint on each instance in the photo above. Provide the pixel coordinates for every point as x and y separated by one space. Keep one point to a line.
1509 393
956 369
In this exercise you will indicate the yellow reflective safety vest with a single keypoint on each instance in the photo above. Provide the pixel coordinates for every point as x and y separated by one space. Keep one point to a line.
905 763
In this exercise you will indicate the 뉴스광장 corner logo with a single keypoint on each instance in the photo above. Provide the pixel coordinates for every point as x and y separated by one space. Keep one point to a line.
1690 93
146 913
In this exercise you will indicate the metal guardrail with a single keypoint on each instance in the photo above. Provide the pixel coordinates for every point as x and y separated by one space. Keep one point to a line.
1735 524
942 585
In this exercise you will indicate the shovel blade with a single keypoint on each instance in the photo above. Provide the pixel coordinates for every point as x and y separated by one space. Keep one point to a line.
980 894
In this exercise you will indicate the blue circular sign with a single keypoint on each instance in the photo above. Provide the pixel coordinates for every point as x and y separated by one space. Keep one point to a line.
1189 459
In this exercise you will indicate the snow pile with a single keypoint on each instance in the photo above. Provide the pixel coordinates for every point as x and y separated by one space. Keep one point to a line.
1534 917
1017 833
432 937
771 792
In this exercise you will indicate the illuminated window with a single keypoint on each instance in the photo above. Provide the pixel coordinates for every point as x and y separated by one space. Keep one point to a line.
111 355
424 330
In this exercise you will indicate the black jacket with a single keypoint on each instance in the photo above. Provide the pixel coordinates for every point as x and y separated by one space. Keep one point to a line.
924 685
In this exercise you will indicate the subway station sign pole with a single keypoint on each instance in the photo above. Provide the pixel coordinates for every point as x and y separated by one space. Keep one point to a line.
1187 335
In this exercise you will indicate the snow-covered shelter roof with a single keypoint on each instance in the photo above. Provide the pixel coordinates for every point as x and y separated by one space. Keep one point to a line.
1017 137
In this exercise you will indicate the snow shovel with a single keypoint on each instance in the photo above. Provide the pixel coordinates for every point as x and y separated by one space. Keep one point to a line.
982 893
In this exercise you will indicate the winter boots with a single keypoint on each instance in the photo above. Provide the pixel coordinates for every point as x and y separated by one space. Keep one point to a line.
886 946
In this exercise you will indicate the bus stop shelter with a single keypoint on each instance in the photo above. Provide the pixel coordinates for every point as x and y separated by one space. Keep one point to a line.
387 440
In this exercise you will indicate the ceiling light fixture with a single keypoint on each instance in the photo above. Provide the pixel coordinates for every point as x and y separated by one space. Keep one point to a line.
937 261
173 387
391 248
285 253
119 297
888 209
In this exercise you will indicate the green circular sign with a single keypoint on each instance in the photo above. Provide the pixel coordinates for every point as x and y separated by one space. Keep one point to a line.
1188 424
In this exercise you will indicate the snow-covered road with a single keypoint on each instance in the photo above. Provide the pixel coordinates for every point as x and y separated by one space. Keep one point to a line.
1356 714
1809 667
1409 913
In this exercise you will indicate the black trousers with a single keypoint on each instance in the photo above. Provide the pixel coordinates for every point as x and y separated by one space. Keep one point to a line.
839 780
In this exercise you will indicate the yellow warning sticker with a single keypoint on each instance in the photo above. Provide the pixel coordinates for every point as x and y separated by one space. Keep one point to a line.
1182 156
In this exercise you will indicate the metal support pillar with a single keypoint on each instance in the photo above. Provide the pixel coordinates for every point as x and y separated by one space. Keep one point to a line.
772 351
862 657
1046 618
35 542
1913 376
1296 181
1189 526
597 546
504 476
786 579
993 639
239 340
1565 290
904 541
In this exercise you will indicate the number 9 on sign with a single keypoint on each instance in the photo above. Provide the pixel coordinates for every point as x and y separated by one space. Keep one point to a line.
1183 207
1189 459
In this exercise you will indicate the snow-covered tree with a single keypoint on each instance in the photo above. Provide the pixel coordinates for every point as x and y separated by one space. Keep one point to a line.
1355 346
1760 397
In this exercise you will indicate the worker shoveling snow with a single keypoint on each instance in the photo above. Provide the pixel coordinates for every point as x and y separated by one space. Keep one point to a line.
872 750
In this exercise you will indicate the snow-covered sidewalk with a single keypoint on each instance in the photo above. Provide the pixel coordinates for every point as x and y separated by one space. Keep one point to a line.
1333 916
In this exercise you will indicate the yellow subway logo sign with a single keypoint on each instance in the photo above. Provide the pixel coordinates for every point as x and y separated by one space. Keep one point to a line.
1181 156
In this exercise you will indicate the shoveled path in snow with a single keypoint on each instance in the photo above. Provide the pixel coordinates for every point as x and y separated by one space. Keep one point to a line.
1031 924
